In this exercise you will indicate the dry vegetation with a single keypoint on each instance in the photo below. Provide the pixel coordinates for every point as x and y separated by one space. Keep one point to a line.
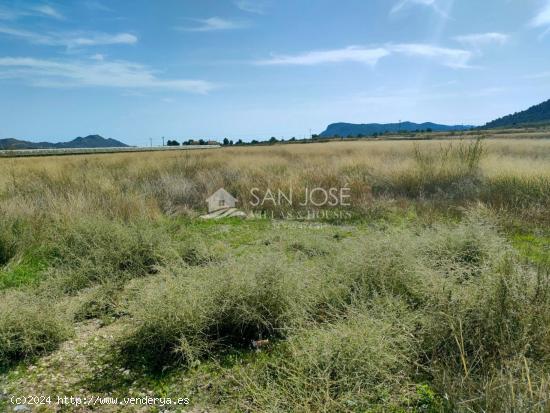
432 295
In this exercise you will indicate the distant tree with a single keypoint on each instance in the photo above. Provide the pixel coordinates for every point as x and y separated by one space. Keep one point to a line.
230 142
202 142
225 141
172 143
429 130
273 140
254 142
360 135
240 142
293 139
314 136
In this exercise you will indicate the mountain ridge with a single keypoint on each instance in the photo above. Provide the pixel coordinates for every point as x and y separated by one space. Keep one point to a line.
90 141
535 114
367 129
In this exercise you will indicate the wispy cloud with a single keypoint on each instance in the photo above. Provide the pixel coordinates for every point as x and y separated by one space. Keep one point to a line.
96 5
70 40
75 73
455 58
542 75
252 6
404 4
47 10
213 24
478 40
44 10
98 56
349 54
543 16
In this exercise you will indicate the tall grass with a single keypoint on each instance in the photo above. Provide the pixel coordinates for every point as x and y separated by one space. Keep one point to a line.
437 314
505 174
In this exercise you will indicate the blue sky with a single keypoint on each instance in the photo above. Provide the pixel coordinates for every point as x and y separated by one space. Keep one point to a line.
140 69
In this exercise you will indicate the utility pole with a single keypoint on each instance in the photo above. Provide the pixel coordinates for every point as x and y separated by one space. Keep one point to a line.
163 141
151 142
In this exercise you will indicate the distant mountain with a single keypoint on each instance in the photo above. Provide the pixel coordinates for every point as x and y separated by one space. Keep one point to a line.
535 114
91 141
368 129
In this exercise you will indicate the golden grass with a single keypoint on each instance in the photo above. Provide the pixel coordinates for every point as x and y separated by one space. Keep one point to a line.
147 184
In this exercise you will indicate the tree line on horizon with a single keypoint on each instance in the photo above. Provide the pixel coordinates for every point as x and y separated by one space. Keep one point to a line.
272 140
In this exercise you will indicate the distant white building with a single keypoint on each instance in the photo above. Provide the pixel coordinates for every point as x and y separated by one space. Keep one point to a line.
221 199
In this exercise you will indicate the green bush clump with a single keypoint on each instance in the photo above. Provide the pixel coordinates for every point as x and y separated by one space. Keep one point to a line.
463 250
95 251
29 325
502 315
377 264
178 319
354 364
97 302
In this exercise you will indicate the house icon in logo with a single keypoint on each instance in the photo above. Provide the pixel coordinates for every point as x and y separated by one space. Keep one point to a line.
221 199
221 204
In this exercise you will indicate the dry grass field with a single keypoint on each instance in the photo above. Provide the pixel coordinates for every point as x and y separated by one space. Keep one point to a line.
430 294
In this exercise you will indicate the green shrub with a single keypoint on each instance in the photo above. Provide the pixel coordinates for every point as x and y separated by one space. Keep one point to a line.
181 318
465 249
377 264
355 364
481 324
94 251
97 302
29 325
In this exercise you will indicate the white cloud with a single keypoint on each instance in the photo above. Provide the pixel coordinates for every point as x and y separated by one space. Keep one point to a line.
96 5
477 40
44 10
543 16
252 6
213 24
115 74
95 39
70 40
349 54
542 75
455 58
7 14
404 4
48 10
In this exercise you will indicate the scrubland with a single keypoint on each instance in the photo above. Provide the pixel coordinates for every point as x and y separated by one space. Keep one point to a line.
431 294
